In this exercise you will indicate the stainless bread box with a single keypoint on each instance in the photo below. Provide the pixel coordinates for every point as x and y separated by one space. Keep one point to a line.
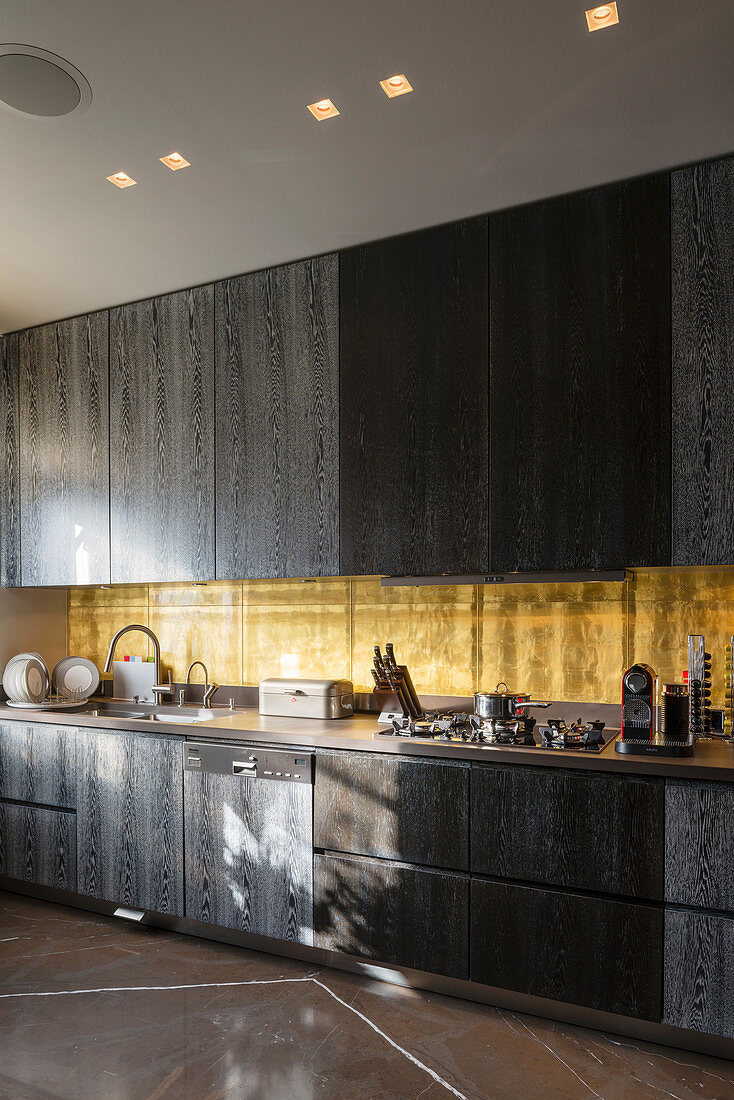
295 697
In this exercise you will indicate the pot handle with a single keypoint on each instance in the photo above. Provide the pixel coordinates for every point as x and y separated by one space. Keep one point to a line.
532 703
501 684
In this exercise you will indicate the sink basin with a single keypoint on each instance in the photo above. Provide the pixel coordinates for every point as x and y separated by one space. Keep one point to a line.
111 712
174 716
179 719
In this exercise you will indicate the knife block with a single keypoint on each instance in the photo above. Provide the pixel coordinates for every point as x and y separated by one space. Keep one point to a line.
390 706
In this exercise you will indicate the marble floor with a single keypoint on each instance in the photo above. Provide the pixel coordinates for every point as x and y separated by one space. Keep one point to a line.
91 1007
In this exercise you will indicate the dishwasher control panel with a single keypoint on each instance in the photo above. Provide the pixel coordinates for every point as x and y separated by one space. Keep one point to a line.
248 762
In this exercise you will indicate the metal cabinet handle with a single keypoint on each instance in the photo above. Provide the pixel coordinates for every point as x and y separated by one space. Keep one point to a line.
242 767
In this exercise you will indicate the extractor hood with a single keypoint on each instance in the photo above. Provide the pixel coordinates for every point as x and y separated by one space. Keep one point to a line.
570 577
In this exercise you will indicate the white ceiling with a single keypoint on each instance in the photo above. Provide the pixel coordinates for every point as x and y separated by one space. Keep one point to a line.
514 100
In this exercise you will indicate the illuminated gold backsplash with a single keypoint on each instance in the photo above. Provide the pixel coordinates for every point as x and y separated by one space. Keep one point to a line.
558 641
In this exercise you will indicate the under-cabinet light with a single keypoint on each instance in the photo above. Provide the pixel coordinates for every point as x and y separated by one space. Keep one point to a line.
606 15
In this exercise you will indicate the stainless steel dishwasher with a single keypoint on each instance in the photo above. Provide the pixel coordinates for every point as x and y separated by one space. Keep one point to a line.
248 825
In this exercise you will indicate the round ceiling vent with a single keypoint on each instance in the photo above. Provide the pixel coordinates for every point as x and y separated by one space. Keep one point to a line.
38 83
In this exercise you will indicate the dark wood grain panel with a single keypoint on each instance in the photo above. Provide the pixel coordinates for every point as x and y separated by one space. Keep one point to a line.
580 380
130 820
703 364
392 913
596 952
277 456
162 438
699 842
699 983
38 845
589 832
38 763
411 810
413 405
64 452
249 855
10 463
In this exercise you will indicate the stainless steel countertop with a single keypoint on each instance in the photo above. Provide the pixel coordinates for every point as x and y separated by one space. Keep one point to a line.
712 759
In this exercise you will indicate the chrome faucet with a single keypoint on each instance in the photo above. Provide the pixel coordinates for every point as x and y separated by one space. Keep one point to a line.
209 689
154 640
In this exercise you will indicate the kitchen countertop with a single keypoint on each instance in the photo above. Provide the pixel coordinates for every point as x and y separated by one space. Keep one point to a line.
712 759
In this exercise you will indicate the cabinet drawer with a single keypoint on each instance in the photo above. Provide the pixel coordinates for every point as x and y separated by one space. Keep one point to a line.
699 981
411 810
392 913
588 832
38 845
594 952
699 841
38 763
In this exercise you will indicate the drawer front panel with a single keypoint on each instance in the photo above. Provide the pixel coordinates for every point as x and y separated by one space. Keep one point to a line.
38 763
594 952
699 841
410 810
38 845
392 913
588 832
699 981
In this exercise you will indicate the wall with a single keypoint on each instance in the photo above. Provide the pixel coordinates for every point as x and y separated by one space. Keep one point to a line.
560 641
32 620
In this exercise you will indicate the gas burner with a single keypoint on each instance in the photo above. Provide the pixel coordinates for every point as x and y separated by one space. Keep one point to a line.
586 736
503 731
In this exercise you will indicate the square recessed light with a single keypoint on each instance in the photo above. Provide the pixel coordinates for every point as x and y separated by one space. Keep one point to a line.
396 85
606 15
121 179
323 109
174 161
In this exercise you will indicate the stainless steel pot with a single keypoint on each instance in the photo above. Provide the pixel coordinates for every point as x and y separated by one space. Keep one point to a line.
505 704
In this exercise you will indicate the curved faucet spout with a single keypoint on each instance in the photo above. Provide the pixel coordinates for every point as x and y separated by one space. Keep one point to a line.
144 630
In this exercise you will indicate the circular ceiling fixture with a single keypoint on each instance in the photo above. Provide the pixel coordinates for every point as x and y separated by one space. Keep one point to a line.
40 84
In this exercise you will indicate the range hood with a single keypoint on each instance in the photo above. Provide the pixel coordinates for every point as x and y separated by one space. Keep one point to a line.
620 576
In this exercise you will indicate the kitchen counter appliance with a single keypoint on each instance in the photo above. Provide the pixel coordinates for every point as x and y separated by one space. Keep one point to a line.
296 697
461 728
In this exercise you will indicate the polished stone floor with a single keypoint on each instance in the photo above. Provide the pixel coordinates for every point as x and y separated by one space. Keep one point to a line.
91 1007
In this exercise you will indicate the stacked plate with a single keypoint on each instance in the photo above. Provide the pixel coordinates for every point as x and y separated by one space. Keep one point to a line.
26 679
28 683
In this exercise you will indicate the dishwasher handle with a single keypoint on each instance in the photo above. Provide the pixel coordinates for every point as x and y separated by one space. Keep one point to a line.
244 767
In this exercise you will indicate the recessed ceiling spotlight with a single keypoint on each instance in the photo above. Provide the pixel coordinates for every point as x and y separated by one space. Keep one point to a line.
396 85
41 84
174 161
323 109
606 15
121 179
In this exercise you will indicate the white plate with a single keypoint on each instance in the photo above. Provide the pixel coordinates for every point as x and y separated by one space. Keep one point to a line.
75 678
13 682
16 687
34 681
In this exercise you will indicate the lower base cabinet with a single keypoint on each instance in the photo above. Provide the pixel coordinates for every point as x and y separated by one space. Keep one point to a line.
393 913
130 820
38 845
699 978
249 855
595 952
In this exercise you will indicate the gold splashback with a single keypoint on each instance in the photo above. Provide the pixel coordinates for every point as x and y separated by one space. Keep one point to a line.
558 641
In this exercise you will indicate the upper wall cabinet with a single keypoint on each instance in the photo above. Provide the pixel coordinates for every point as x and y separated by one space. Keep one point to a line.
413 419
703 364
162 438
64 455
9 487
277 439
580 380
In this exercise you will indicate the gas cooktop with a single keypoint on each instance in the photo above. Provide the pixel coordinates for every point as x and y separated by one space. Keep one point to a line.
458 728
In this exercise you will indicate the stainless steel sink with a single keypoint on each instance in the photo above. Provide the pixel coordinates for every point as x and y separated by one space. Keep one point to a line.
174 716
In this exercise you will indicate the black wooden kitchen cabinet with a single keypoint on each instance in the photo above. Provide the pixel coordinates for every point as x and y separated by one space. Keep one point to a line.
277 438
38 845
601 953
393 913
413 403
569 828
412 810
249 854
64 453
162 438
699 842
699 986
580 380
130 820
703 364
38 763
9 463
